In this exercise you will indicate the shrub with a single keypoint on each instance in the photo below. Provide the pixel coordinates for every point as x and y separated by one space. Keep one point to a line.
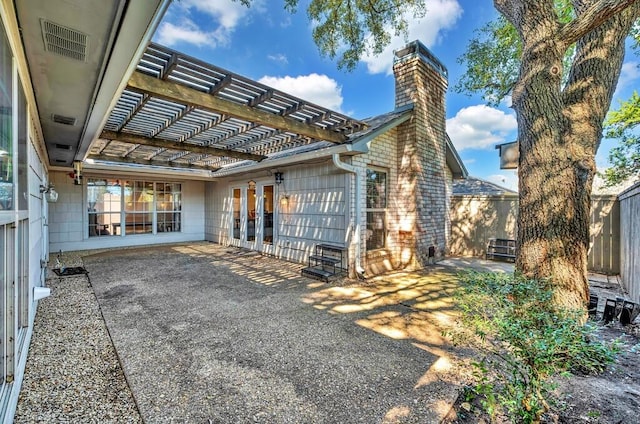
525 339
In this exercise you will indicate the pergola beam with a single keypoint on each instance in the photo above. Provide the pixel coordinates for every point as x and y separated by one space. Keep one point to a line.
161 163
182 94
174 145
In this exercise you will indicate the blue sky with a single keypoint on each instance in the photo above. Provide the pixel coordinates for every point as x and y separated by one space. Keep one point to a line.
270 45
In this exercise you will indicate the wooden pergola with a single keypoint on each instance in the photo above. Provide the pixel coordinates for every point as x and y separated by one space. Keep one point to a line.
180 112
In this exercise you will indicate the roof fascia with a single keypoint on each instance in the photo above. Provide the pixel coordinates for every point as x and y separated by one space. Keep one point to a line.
129 169
289 160
454 162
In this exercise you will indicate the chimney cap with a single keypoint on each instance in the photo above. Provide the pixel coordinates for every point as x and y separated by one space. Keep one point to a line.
417 49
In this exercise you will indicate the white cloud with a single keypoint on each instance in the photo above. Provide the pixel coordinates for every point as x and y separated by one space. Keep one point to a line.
223 15
480 127
186 32
440 15
318 89
279 58
227 13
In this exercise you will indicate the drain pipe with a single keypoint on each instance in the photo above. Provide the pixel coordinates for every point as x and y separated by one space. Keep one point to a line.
353 170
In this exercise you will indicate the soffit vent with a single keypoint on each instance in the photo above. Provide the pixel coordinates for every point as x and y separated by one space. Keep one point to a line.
64 120
64 41
63 146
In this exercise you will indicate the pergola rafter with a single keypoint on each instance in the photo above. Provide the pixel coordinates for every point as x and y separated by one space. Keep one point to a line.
182 109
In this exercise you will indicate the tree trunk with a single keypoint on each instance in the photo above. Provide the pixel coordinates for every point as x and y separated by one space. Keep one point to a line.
559 131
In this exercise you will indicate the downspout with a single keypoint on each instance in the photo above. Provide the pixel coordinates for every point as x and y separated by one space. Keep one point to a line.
353 170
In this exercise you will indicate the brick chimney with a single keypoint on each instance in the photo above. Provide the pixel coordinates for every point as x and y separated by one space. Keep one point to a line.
421 80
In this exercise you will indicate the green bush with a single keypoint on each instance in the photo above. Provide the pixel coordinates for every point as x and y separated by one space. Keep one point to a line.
525 340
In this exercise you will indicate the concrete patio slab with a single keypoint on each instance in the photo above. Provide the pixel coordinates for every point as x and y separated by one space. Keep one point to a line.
213 334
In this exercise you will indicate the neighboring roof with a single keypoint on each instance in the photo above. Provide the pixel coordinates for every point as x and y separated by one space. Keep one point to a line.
478 186
182 112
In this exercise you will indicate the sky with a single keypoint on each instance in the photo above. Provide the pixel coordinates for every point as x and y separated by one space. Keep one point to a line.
275 47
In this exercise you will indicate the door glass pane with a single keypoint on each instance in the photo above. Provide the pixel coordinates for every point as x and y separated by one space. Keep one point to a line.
236 213
251 214
267 217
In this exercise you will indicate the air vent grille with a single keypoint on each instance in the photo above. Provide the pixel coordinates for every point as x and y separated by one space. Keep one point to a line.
64 120
63 146
64 41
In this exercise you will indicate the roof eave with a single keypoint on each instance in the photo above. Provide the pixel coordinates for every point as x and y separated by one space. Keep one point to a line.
455 164
138 27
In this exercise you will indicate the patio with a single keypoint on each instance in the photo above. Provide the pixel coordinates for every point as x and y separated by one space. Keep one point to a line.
207 333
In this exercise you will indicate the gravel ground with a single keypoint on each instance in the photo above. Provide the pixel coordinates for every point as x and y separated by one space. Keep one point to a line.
73 374
210 334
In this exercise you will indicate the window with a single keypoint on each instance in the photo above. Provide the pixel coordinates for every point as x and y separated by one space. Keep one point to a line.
138 206
103 204
376 208
118 207
6 124
169 203
23 163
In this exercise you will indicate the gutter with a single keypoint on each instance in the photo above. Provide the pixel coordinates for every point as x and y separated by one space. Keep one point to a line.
353 170
288 160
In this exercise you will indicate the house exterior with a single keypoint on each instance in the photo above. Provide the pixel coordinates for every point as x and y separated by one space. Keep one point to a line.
44 79
108 140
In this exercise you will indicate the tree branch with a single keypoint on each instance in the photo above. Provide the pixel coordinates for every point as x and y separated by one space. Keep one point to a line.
592 18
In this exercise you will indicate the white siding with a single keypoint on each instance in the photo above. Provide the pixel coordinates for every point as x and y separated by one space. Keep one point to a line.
316 211
68 217
37 220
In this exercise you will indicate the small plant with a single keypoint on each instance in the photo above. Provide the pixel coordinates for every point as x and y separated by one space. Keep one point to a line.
525 339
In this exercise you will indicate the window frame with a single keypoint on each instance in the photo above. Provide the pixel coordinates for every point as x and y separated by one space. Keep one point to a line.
152 208
370 211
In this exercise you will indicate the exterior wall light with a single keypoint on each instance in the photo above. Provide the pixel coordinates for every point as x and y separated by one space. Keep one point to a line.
252 185
77 172
279 178
50 193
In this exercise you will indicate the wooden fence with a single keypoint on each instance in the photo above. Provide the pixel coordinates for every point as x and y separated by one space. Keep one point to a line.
475 219
630 241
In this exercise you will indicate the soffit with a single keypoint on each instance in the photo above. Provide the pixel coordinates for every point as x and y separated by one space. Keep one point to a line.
181 112
66 43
